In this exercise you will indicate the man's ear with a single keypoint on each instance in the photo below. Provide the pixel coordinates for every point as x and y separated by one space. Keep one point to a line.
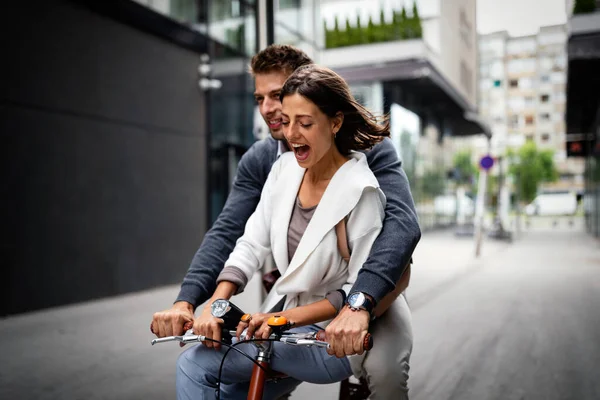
337 121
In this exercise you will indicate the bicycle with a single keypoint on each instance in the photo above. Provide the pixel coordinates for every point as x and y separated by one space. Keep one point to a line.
261 371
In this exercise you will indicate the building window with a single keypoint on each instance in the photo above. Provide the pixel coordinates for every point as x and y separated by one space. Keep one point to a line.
558 77
514 83
525 83
529 101
283 4
545 117
529 120
513 121
485 84
546 63
497 69
545 98
545 137
560 63
521 65
497 83
545 78
516 103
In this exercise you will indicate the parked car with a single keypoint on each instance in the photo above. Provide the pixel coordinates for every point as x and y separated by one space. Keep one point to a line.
557 203
446 205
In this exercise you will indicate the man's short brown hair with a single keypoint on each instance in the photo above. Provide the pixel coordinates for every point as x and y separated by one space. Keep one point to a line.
278 57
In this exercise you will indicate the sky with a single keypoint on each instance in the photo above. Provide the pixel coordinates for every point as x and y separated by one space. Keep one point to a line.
519 17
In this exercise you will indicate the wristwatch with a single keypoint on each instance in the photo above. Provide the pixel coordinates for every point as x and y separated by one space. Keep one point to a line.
360 301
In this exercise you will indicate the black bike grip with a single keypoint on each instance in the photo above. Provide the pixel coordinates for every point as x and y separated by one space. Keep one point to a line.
367 341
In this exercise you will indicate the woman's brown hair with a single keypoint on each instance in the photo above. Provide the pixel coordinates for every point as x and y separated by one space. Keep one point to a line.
360 130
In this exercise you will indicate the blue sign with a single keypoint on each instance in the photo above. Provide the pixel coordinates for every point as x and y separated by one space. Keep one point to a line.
486 162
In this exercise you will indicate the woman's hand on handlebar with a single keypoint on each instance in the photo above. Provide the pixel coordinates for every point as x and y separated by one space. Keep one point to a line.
257 327
209 326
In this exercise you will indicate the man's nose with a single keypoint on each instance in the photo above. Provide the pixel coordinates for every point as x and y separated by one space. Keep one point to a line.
270 105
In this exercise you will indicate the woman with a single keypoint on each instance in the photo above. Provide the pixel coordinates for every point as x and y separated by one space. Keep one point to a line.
309 191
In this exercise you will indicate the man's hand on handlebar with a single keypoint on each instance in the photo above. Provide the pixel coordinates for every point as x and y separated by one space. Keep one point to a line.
171 322
346 333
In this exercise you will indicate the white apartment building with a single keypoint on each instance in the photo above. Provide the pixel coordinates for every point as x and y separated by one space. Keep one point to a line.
522 86
427 84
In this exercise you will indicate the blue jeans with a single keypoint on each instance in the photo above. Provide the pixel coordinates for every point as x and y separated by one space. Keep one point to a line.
198 370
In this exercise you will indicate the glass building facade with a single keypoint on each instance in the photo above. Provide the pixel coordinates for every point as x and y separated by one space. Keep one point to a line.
426 146
232 31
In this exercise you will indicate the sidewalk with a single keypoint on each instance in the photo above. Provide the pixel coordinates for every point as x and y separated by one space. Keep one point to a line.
101 349
441 258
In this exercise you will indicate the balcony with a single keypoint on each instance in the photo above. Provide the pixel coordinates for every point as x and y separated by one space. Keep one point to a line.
377 54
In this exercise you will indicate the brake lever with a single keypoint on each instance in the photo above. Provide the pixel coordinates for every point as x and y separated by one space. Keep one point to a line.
181 339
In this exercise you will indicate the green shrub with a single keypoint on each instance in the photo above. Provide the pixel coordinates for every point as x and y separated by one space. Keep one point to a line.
401 27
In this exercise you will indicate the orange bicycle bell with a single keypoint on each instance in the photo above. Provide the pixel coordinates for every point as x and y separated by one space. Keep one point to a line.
279 324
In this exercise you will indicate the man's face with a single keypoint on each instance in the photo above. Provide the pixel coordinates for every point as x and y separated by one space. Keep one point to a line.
267 88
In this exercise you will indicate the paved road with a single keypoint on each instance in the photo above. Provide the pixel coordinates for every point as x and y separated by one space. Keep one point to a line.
521 323
524 326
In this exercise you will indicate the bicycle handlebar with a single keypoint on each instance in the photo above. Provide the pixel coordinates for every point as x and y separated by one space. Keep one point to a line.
296 339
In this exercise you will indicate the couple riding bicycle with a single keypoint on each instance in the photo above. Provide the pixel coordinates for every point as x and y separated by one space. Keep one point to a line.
326 200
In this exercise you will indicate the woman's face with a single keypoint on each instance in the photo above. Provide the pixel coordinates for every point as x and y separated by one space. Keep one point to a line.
308 131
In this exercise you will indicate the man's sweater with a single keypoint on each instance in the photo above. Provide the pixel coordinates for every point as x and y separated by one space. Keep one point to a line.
389 255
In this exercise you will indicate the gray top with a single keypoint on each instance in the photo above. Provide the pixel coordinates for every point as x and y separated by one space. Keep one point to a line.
300 219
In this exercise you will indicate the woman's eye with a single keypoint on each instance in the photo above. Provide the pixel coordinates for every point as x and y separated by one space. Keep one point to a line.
285 123
306 125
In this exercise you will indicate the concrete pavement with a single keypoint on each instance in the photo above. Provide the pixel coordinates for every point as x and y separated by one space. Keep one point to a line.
519 323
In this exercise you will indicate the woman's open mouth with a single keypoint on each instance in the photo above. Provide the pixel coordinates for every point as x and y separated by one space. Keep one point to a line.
302 151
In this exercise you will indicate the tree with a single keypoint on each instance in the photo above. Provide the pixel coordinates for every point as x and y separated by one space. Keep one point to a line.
349 34
383 30
396 26
464 169
530 167
433 183
371 34
584 6
361 37
416 22
328 36
404 24
336 32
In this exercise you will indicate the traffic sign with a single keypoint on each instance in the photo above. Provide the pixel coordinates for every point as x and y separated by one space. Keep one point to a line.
486 162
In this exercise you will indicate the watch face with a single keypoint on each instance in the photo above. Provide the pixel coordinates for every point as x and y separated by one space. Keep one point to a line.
356 299
219 308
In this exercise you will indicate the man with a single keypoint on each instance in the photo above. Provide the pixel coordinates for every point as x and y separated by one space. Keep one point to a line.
386 369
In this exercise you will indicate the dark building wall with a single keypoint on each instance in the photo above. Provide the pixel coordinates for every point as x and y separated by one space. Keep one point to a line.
103 157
